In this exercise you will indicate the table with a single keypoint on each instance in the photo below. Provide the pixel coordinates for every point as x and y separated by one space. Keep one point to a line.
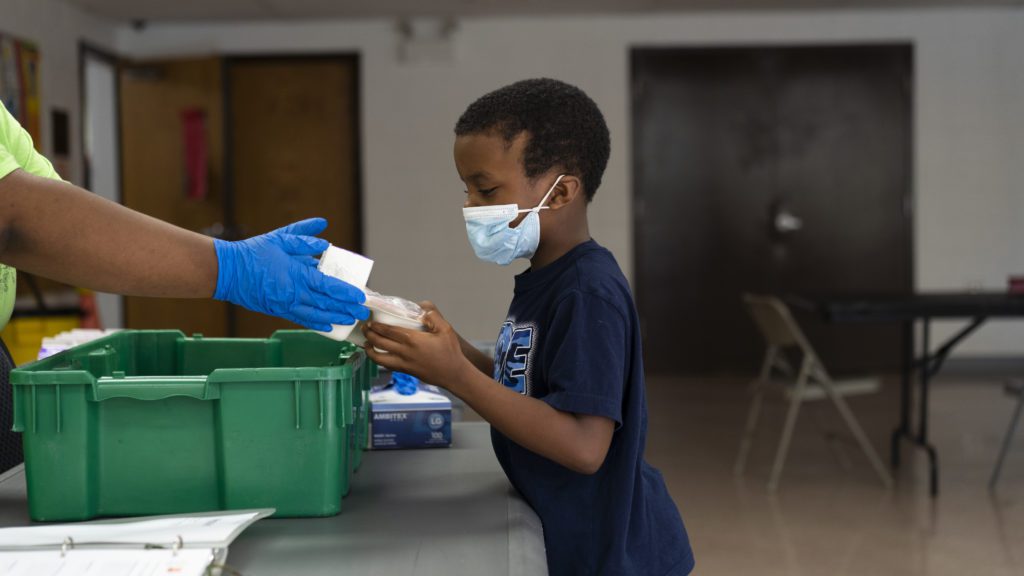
976 307
420 512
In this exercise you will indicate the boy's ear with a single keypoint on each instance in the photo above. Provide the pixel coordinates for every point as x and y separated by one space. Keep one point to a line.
568 189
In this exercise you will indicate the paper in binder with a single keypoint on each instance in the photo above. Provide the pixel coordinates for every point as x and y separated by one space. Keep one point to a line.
180 544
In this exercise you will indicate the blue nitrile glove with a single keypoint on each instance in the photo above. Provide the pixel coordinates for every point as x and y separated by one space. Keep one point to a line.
276 274
405 384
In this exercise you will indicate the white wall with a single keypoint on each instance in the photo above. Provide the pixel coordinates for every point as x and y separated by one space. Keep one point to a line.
57 28
102 146
969 127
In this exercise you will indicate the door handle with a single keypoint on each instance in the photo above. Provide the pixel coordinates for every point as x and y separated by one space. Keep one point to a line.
786 223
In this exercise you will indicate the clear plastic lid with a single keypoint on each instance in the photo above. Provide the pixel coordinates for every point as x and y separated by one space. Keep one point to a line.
399 307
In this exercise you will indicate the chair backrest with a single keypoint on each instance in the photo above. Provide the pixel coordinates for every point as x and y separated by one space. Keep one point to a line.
775 322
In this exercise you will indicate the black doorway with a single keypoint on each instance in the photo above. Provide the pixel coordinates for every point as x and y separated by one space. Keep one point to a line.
779 170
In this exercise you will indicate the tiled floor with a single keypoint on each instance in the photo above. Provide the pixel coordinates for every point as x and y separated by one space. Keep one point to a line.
831 516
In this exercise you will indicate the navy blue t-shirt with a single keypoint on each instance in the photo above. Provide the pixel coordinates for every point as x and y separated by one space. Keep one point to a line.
572 339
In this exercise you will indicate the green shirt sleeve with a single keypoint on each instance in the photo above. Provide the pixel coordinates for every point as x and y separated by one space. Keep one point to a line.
17 151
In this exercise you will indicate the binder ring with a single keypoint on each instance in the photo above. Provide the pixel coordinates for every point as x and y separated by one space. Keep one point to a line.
68 544
178 545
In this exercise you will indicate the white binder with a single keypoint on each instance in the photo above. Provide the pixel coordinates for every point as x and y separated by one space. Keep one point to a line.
179 545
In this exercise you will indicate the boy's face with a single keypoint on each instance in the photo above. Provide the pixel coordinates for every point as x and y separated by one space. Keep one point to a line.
492 171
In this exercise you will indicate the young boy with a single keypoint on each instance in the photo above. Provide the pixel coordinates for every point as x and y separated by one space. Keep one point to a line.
569 418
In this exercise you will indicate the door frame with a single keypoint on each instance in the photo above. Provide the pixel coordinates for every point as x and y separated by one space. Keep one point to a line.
88 50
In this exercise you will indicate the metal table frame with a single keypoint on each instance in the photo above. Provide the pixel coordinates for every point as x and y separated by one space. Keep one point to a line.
975 307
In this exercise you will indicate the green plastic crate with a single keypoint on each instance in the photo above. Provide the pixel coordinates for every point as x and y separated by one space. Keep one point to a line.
358 438
361 404
152 422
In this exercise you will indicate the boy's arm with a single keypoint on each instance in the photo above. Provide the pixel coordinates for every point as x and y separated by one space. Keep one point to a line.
478 359
578 442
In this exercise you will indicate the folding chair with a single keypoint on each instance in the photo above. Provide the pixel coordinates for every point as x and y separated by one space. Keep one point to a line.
812 382
1013 388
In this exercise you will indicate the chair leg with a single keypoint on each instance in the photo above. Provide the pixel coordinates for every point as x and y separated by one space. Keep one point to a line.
833 441
748 433
858 432
755 411
787 429
1006 443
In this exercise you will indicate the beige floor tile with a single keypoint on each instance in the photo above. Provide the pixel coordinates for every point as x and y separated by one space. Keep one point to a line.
831 516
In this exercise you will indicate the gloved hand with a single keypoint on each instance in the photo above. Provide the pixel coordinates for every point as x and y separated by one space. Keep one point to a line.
405 384
276 274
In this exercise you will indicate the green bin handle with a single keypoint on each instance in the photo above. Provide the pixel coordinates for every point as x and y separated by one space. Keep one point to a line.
356 360
150 388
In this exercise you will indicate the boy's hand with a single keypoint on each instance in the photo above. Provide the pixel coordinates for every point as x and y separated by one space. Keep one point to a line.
434 356
481 361
429 306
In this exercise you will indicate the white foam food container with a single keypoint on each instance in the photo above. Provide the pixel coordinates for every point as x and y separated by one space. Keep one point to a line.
348 267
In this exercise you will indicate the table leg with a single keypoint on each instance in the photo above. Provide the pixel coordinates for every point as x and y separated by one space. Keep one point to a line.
930 365
922 422
933 469
907 371
926 364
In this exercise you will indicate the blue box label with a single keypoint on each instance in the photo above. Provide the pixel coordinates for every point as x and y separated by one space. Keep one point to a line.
394 429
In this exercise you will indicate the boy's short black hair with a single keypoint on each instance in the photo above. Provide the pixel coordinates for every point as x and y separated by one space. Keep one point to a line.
564 126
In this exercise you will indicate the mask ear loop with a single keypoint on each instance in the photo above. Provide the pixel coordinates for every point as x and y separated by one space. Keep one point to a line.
541 206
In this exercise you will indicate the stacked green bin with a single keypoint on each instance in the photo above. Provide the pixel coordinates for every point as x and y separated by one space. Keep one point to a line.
361 412
370 376
152 422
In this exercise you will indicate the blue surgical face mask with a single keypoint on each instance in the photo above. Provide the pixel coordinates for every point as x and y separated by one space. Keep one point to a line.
492 237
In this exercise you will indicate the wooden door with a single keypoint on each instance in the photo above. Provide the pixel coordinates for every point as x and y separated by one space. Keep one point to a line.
293 150
154 96
778 170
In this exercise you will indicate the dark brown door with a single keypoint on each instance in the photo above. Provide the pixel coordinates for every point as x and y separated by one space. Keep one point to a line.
154 96
289 152
293 139
776 170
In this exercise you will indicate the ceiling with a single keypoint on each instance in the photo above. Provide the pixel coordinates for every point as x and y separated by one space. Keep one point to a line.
192 10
